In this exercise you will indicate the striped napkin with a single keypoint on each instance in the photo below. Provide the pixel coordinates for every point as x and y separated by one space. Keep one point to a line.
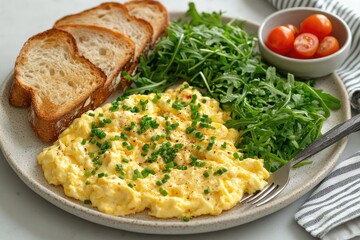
333 209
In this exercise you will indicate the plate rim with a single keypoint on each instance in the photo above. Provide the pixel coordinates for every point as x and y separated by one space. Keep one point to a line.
206 224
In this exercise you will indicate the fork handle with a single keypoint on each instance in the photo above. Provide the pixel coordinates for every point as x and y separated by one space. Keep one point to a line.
332 136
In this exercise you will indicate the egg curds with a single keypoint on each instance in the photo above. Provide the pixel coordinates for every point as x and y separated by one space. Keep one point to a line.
169 153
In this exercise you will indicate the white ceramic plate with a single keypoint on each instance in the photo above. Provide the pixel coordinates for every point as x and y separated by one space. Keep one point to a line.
21 147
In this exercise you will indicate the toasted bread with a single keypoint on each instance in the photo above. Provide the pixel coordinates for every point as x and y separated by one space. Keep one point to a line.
151 11
116 17
111 51
57 83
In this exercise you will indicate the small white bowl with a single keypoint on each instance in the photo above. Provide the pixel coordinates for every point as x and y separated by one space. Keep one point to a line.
304 68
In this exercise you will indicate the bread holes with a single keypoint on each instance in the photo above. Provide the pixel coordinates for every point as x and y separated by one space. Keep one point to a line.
45 65
102 51
66 56
37 86
81 39
71 84
52 72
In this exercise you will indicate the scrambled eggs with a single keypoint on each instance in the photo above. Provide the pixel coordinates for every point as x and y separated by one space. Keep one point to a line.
169 153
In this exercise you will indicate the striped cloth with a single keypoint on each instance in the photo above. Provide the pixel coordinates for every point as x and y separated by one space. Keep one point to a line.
333 209
349 72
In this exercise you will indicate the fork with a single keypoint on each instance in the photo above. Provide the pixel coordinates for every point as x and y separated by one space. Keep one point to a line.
280 178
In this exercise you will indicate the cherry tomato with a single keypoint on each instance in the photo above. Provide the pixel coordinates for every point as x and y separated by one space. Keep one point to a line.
327 46
293 28
317 24
293 54
280 40
305 45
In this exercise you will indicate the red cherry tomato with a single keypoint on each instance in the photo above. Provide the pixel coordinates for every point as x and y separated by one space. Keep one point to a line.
317 24
280 40
293 28
293 54
305 45
327 46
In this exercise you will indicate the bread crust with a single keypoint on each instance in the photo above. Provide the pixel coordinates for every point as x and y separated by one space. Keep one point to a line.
142 48
74 18
49 120
159 27
113 80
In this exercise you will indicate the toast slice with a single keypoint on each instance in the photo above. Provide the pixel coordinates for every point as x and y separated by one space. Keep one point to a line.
151 11
116 17
57 83
111 51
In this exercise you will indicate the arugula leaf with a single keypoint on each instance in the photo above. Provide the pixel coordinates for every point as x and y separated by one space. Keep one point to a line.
277 116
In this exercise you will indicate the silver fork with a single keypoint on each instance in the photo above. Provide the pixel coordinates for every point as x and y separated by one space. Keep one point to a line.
280 178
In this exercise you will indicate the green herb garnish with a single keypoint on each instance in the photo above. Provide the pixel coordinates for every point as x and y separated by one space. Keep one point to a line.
277 116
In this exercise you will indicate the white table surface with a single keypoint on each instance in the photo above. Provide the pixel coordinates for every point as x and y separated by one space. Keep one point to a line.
25 215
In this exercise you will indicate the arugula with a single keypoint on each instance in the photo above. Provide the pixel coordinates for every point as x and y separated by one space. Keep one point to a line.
277 116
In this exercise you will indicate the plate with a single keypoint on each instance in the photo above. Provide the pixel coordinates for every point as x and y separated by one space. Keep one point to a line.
21 147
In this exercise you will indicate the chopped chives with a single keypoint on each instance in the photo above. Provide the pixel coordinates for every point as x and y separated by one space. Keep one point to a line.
131 127
118 167
181 167
211 143
220 171
163 192
124 136
107 120
136 175
125 107
178 106
135 109
146 123
100 175
115 138
143 104
146 171
179 145
236 155
114 106
164 180
156 98
186 219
